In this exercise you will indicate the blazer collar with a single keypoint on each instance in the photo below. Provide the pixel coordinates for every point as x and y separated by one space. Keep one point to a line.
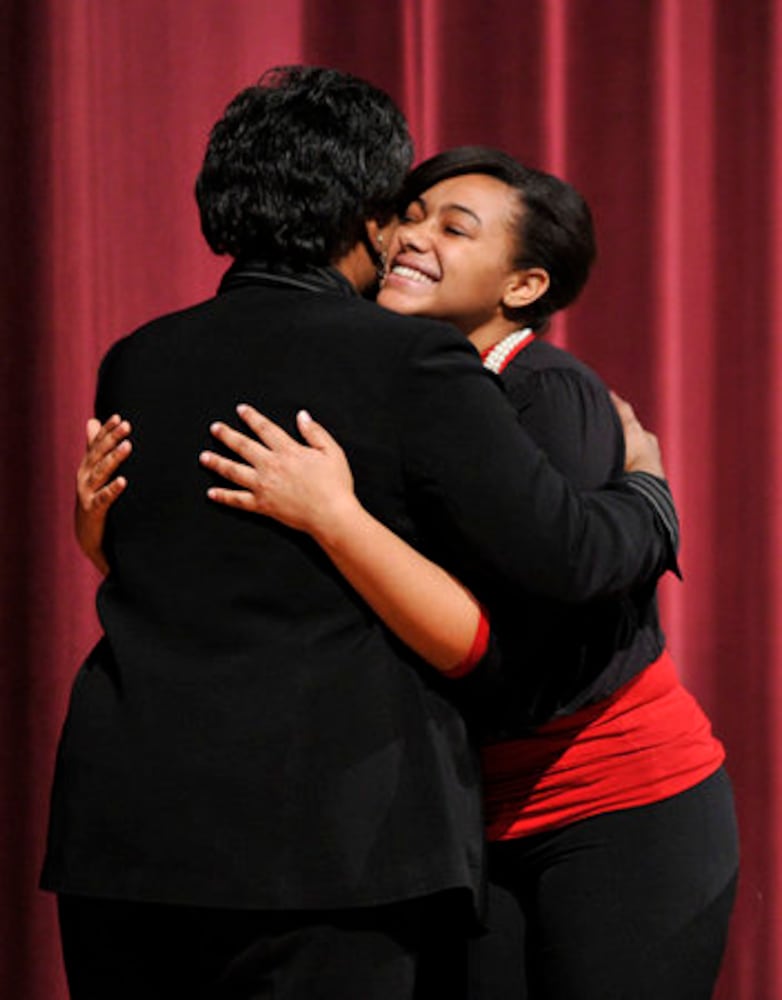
315 279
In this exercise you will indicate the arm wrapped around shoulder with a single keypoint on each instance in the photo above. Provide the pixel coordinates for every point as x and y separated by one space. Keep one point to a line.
492 504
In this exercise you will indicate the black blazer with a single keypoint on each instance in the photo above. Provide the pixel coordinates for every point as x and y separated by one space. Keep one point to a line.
247 733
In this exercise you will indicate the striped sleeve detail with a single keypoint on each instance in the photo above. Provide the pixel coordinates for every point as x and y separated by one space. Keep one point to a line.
657 493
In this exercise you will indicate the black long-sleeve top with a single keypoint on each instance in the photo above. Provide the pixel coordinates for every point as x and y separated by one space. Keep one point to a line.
557 657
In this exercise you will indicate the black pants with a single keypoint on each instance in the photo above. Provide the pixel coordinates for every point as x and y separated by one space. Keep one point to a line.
119 950
632 905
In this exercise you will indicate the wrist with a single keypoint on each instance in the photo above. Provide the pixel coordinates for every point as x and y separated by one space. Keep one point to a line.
650 465
338 521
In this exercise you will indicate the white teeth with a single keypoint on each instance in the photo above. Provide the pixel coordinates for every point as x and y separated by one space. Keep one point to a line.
410 272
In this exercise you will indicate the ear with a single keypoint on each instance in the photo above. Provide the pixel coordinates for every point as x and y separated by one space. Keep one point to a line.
373 230
525 286
379 233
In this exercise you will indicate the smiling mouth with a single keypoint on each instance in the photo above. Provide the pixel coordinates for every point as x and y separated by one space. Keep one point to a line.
413 274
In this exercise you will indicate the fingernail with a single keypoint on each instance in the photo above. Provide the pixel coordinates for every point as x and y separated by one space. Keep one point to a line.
304 417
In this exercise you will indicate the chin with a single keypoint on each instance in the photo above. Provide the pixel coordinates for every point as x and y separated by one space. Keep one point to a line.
397 302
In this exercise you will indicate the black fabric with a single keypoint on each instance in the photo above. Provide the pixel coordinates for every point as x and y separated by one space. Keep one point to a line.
317 279
630 905
660 498
558 657
145 951
247 734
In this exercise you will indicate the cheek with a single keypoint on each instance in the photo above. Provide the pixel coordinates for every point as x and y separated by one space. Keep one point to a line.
479 286
476 269
495 275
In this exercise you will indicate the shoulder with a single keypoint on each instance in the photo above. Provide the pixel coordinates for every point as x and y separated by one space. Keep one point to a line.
156 327
542 356
566 407
407 341
543 371
410 329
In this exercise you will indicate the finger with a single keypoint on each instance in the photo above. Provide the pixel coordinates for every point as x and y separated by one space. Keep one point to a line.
233 498
271 434
93 429
314 434
248 448
623 408
100 470
109 427
96 429
107 438
234 472
101 499
619 402
106 496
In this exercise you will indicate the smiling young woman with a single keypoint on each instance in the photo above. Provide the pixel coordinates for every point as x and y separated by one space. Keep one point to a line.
451 258
612 838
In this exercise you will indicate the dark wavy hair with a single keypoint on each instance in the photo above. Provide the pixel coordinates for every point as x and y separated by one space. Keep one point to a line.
298 163
553 228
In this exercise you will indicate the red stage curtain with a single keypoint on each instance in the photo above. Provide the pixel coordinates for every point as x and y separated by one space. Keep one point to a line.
667 114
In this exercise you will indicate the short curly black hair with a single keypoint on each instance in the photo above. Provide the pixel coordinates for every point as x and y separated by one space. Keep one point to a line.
553 229
298 163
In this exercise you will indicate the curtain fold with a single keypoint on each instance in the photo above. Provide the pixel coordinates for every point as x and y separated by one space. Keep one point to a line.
664 113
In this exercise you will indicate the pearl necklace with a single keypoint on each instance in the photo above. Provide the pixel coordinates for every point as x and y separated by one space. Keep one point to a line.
498 356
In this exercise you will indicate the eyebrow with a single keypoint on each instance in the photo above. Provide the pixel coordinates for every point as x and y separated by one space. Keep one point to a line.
450 207
456 207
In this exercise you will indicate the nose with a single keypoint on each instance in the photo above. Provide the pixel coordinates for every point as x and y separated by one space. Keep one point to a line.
412 234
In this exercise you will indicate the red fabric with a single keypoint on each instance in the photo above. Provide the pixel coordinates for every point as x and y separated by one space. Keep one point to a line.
478 649
667 115
647 742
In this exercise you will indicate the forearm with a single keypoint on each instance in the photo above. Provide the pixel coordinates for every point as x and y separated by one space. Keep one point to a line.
90 538
419 601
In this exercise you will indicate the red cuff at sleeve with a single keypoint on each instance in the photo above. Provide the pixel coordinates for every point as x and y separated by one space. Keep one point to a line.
478 649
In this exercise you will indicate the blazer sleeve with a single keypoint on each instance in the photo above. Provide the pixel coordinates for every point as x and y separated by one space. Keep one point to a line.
488 496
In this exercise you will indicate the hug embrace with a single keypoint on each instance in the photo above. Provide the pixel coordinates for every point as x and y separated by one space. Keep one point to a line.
382 706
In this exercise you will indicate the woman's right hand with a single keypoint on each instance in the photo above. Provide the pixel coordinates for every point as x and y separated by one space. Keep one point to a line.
97 488
308 487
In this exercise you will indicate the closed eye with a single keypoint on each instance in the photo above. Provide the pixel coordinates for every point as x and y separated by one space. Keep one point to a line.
414 212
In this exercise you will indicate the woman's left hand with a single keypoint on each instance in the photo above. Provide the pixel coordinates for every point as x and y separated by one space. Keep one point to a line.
642 449
308 487
97 488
